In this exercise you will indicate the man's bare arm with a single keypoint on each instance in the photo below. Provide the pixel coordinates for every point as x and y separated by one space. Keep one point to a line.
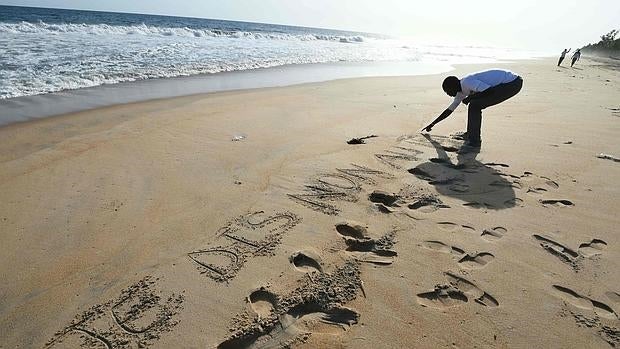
443 115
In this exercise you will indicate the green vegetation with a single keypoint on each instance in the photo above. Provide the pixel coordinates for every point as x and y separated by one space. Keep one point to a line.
608 43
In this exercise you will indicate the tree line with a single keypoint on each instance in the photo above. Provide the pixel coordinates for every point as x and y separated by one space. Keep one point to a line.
608 42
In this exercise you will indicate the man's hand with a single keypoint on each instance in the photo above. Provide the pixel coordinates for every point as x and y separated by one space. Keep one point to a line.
466 100
443 115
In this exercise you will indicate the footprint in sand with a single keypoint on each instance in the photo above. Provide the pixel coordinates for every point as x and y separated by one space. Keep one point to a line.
557 203
315 306
306 261
536 191
466 260
476 261
608 157
592 248
457 292
262 302
516 202
565 254
468 287
427 204
459 188
453 227
443 248
494 234
415 198
568 255
352 229
443 296
583 302
384 198
366 249
614 297
495 164
534 184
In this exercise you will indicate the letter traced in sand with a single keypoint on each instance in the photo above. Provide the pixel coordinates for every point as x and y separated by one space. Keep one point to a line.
136 319
458 291
251 235
344 185
392 158
448 144
219 263
315 306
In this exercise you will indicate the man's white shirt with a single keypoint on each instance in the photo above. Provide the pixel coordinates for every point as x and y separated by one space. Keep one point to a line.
480 81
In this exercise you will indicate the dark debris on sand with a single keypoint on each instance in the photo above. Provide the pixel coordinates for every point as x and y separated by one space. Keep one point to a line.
360 140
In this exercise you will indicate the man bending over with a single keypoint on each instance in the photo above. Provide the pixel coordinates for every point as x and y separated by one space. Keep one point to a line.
480 90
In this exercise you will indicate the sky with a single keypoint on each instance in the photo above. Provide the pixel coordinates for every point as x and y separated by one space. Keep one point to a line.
530 24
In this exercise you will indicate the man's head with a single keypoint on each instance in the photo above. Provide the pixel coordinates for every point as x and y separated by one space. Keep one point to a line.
451 85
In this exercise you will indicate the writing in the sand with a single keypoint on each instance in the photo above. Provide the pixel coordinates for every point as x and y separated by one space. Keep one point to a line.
342 185
252 235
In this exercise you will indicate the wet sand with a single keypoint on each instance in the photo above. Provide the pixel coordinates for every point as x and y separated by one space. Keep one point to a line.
146 225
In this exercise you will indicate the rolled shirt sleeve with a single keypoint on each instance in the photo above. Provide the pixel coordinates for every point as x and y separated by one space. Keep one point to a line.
457 100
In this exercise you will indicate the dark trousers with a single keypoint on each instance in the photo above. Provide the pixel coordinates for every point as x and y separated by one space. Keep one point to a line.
495 96
560 61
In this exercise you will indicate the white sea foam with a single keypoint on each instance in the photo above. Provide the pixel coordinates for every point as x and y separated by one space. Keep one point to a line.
150 30
41 57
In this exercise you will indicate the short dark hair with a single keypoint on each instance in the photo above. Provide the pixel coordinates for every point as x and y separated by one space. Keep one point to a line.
451 85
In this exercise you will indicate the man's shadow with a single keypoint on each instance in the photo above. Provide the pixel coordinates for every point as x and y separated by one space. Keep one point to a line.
478 185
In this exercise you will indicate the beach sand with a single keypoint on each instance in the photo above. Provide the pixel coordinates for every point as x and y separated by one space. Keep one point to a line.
146 225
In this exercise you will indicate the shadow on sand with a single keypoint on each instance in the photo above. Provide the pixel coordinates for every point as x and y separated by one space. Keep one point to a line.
477 184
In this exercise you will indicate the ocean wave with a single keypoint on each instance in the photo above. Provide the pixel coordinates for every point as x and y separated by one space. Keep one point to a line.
27 83
151 30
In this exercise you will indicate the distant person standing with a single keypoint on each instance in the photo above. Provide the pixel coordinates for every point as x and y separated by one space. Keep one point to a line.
562 55
478 90
576 57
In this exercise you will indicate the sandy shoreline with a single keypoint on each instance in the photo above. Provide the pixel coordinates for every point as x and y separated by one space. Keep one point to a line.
28 108
175 236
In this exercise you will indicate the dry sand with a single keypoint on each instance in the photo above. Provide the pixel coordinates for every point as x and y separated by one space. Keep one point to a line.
145 225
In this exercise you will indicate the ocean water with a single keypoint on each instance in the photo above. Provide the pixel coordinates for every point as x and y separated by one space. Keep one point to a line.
53 50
